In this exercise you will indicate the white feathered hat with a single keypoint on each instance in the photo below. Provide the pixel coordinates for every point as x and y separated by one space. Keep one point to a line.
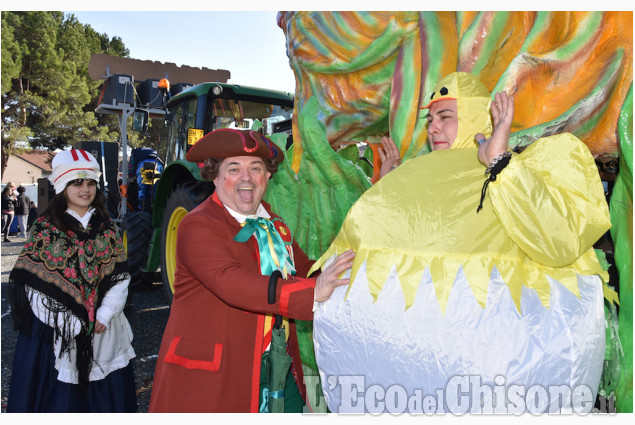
73 164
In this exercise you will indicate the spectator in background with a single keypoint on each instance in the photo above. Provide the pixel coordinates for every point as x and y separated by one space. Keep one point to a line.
22 208
32 214
8 209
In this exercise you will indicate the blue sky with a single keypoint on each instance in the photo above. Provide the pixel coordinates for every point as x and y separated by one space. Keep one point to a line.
249 44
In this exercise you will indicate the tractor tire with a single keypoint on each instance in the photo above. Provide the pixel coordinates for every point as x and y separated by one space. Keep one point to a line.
182 200
137 228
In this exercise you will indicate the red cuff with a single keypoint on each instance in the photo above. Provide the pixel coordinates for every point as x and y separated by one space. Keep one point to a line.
287 290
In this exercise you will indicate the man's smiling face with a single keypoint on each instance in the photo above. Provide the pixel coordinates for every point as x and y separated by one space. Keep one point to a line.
242 182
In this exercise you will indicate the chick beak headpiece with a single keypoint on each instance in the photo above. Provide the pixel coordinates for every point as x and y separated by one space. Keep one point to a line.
472 103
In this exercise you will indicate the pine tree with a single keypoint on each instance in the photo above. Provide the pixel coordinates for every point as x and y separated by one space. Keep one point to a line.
48 98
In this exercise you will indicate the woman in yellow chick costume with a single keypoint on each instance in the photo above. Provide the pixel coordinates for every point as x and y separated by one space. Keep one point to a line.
451 309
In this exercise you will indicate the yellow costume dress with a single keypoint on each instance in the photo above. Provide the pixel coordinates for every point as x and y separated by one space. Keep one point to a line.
450 310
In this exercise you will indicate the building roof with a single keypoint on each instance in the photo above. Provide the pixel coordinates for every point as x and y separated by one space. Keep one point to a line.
40 159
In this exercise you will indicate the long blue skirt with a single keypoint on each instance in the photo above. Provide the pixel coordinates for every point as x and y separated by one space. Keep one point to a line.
34 386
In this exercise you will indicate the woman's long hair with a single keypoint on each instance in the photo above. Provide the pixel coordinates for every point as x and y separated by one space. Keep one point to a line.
58 205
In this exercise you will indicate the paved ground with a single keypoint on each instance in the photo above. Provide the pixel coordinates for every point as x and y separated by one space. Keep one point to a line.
146 311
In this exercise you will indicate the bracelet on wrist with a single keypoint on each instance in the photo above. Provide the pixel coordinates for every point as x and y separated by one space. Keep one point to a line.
495 167
502 159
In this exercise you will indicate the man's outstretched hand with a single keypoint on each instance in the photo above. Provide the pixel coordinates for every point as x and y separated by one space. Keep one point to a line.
328 280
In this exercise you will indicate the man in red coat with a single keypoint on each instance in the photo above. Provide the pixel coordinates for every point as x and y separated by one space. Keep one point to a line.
220 319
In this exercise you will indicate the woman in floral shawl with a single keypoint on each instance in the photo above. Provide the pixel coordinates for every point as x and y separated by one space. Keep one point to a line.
69 287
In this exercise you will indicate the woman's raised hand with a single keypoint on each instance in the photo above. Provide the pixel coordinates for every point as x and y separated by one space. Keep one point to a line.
502 115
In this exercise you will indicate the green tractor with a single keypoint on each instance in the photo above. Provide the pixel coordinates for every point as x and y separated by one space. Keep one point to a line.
151 235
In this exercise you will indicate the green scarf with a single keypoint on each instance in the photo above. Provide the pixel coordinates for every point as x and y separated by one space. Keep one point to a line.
273 252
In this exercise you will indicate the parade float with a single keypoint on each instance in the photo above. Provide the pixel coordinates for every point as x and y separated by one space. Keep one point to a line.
363 75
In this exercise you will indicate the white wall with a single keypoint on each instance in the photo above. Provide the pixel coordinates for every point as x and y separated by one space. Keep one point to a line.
21 172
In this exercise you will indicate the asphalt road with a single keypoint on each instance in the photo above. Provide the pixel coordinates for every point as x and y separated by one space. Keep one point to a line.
147 312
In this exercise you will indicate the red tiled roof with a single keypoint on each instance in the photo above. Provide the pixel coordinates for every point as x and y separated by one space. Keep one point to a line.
41 159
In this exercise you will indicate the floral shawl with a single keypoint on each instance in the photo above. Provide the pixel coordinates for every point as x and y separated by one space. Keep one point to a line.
73 270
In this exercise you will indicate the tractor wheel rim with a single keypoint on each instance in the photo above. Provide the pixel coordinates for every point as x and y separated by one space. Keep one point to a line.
170 243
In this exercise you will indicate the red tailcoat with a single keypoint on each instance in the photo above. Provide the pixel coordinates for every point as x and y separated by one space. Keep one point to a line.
210 354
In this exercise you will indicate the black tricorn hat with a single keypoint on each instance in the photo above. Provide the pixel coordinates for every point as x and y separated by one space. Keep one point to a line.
228 142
